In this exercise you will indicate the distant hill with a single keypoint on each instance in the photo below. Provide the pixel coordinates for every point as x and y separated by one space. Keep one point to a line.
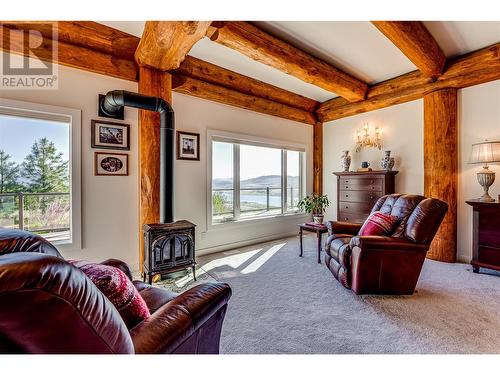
256 182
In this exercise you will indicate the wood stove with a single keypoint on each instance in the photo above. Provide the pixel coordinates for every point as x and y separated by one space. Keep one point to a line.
168 248
168 245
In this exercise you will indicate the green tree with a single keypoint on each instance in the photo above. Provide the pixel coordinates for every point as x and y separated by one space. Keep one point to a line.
45 169
9 174
219 203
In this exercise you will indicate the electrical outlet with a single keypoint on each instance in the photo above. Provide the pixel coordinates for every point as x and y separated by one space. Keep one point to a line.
203 235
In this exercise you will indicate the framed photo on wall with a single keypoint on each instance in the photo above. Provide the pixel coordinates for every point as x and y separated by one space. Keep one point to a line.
188 146
110 135
110 164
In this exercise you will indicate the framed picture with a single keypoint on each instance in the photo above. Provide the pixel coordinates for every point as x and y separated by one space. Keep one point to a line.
110 164
188 146
110 135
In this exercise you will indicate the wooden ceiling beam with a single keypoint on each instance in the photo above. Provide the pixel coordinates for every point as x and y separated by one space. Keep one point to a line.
193 87
74 56
91 35
262 47
416 43
471 69
165 44
205 71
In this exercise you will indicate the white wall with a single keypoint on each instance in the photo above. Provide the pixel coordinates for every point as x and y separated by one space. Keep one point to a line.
109 204
479 119
197 115
402 134
479 116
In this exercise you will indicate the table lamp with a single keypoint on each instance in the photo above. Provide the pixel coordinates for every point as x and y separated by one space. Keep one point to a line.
484 153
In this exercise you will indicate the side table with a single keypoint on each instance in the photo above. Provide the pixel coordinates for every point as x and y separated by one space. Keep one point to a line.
318 229
485 235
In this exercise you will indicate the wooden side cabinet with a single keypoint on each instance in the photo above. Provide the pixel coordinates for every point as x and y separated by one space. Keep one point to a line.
485 235
357 192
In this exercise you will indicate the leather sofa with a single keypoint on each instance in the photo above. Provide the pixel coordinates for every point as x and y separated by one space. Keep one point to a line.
381 264
50 306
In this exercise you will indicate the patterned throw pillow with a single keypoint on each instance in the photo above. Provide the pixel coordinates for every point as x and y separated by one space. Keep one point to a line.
117 287
378 224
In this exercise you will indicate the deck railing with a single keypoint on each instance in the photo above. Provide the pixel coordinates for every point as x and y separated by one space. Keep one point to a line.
267 192
36 212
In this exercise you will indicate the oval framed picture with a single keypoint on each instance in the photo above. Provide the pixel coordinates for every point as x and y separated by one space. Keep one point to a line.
110 164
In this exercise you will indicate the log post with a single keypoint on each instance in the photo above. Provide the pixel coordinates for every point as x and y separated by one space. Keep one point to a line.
441 165
154 83
318 158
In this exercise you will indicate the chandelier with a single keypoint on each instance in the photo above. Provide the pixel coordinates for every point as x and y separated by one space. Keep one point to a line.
364 140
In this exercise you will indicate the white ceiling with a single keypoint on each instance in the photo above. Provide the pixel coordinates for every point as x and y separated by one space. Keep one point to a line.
132 27
230 59
457 38
356 47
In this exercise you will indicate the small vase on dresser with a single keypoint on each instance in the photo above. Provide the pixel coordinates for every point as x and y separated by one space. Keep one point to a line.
387 162
345 161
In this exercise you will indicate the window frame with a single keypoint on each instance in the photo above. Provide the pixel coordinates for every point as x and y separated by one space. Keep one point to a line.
74 118
237 139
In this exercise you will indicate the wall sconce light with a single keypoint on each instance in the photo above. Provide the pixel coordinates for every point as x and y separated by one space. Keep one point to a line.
364 140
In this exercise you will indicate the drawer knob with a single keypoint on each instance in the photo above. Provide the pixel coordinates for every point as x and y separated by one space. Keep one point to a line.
346 219
347 187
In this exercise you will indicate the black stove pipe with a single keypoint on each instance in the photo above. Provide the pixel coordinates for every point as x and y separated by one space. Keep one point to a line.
113 101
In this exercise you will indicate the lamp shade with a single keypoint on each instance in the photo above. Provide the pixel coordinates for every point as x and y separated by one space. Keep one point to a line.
485 152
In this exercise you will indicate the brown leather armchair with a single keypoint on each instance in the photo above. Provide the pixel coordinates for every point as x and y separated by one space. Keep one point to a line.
50 306
385 265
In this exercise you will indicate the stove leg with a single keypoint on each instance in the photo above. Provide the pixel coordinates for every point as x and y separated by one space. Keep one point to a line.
194 273
150 279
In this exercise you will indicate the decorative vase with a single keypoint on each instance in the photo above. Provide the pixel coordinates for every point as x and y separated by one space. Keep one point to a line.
345 160
387 161
318 218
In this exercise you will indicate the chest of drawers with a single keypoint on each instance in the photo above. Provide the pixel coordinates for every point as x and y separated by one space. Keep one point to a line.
357 192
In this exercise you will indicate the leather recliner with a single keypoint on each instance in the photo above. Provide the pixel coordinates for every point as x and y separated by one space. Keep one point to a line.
382 264
49 306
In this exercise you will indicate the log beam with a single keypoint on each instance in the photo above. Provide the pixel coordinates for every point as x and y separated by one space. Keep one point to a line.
86 34
260 46
471 69
190 86
17 41
165 44
416 43
205 71
318 158
441 166
153 83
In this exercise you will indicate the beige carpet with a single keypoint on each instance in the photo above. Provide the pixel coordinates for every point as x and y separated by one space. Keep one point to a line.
285 304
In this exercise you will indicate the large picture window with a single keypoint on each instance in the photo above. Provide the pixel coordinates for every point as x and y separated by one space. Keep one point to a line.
40 170
251 180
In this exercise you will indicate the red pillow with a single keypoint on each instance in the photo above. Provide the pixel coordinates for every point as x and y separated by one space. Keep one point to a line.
378 224
118 288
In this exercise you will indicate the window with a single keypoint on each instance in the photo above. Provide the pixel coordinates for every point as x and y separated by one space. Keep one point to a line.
40 170
251 179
